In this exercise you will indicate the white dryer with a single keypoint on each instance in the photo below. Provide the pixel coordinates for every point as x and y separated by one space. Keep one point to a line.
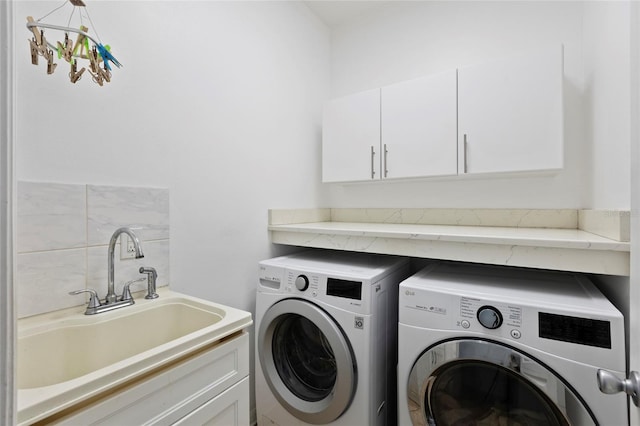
326 334
492 345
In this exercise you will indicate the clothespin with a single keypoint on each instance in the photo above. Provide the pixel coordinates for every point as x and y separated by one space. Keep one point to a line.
36 44
94 67
107 56
34 51
51 67
34 30
44 48
97 77
66 49
106 73
93 61
75 75
82 42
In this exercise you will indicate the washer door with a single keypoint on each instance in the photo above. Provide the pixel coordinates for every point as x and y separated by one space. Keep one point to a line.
483 382
307 361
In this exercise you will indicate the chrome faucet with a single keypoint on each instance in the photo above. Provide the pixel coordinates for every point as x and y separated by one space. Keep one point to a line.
111 293
111 301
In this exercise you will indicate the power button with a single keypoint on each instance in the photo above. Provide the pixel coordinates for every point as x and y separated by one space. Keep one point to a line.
516 334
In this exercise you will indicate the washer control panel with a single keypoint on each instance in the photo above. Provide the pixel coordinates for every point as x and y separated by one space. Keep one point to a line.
306 283
506 318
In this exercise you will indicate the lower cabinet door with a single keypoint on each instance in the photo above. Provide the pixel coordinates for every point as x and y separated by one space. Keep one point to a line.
230 408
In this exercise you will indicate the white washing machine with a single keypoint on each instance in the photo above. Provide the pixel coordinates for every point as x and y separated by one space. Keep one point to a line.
491 345
326 334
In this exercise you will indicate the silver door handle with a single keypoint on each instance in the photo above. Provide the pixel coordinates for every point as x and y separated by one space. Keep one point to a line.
609 383
386 172
373 155
465 168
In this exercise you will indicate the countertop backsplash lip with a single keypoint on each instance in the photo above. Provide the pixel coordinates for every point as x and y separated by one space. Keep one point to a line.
70 224
613 223
517 218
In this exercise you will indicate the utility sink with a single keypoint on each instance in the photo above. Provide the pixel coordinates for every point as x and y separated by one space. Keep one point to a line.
66 357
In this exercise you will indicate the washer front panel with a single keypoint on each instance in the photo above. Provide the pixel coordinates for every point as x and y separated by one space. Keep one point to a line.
315 377
480 380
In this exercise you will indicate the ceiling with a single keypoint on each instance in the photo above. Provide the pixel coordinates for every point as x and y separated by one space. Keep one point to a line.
336 12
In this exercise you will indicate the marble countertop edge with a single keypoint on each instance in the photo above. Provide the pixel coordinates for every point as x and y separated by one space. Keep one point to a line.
535 237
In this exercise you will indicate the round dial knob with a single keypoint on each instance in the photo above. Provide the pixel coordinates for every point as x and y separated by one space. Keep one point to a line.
489 317
302 282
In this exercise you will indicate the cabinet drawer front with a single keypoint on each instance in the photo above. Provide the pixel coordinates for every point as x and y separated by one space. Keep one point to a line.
168 396
230 408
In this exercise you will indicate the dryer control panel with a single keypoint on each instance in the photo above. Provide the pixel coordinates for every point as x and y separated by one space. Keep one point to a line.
338 291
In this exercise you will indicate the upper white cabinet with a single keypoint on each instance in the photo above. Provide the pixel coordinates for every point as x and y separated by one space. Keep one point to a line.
510 114
419 127
351 138
496 117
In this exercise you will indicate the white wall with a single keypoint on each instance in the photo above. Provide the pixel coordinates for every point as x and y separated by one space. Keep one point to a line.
407 39
257 146
219 101
607 95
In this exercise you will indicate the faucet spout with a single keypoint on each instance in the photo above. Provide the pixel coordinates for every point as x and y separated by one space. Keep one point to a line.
111 293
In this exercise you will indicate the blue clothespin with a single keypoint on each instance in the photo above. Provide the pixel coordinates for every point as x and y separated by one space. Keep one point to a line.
107 56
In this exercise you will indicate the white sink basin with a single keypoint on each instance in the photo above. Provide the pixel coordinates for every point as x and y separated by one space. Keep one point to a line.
66 357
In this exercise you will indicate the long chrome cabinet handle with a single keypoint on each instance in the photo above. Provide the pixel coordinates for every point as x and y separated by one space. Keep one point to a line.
464 153
386 151
373 155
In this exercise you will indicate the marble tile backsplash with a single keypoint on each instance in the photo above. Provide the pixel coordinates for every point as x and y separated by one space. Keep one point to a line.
63 233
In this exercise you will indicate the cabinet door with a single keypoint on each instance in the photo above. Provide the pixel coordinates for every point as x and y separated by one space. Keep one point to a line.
511 114
419 133
351 138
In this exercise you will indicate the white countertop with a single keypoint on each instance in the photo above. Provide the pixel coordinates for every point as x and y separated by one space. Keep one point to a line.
546 248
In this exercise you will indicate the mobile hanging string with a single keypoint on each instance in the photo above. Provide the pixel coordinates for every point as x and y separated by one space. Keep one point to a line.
97 55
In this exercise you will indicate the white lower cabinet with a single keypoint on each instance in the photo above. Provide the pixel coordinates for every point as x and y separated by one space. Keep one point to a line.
211 387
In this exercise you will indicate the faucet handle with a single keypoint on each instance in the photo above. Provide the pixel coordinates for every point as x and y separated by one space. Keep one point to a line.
94 300
126 292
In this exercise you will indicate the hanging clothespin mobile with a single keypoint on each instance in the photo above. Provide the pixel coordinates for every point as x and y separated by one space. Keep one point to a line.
70 51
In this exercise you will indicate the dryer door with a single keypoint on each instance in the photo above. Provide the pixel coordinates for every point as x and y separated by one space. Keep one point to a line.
483 382
307 361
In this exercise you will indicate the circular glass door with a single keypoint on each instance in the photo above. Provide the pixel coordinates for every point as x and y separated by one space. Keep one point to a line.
307 361
477 382
303 358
